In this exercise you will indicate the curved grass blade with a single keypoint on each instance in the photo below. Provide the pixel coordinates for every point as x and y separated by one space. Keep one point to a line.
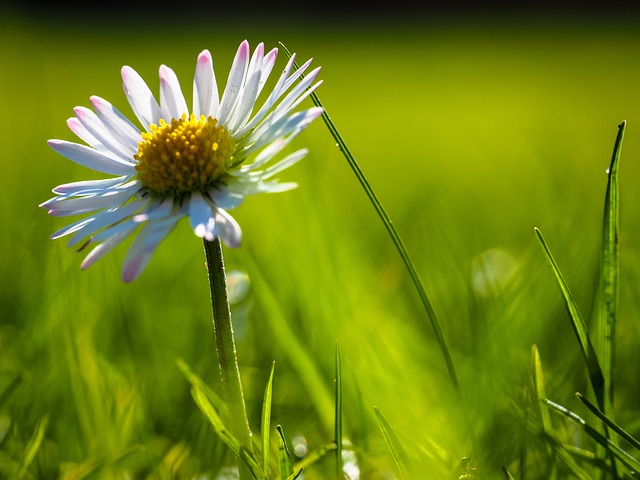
225 434
631 462
538 380
507 475
33 446
338 425
593 366
610 423
284 457
266 421
196 381
431 314
607 306
397 452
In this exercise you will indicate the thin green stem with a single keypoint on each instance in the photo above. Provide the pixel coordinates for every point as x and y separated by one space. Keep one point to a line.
226 348
442 341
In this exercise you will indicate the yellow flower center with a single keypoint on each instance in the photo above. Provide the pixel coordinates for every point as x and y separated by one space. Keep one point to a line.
183 156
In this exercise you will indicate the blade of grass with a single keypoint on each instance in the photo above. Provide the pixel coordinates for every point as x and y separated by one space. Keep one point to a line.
627 459
33 446
609 270
266 421
284 457
431 314
338 424
593 366
225 434
538 380
507 475
616 428
395 447
196 381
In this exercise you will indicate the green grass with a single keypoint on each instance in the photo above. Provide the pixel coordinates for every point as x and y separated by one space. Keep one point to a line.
470 134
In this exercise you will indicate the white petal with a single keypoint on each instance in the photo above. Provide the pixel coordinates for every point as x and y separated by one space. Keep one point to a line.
234 82
205 90
172 100
71 228
92 158
283 164
227 229
284 82
107 219
201 217
105 247
78 205
144 246
291 125
95 126
119 125
140 98
225 198
83 134
87 186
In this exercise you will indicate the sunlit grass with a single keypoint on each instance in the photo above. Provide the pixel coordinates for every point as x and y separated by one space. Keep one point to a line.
471 136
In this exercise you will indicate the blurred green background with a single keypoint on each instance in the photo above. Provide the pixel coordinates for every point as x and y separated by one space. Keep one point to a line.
472 130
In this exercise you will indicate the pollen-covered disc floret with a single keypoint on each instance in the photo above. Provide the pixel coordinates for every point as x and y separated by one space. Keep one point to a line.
197 162
183 156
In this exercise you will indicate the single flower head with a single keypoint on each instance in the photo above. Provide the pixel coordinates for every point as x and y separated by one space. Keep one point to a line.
197 163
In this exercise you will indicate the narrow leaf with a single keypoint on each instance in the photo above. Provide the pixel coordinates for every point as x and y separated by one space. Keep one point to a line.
284 457
395 237
196 381
397 452
631 462
338 422
507 475
225 434
616 428
33 446
538 380
609 269
266 421
595 372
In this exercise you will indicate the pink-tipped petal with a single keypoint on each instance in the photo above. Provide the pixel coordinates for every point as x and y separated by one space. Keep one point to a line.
172 100
142 101
234 82
205 90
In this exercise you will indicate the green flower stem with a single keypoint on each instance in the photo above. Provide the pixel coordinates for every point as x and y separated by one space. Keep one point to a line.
226 347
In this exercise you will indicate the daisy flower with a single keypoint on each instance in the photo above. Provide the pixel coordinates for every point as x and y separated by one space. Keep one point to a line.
181 163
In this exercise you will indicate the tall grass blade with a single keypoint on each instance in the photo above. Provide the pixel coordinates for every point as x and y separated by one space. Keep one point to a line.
539 385
591 360
266 421
431 314
395 447
609 270
196 381
225 434
610 423
338 425
284 457
33 446
627 459
507 475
